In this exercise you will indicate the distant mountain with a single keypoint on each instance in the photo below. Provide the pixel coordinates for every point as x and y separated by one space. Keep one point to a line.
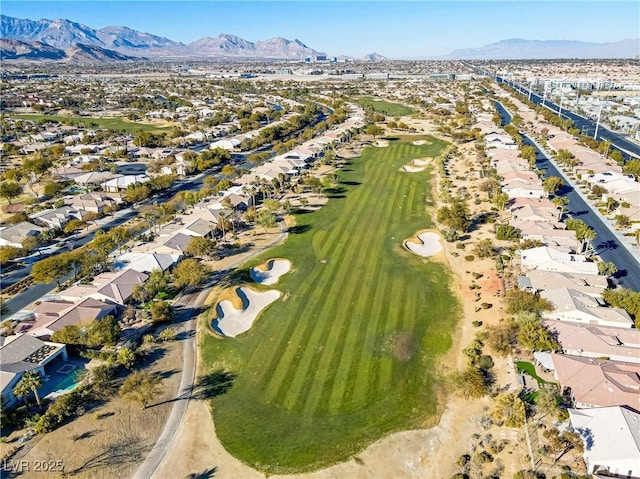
374 57
520 49
38 51
16 50
65 34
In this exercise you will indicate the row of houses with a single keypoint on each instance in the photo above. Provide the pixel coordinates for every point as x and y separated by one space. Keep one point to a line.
599 365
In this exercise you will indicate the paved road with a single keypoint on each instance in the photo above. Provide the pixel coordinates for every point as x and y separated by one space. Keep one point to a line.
179 409
627 147
607 244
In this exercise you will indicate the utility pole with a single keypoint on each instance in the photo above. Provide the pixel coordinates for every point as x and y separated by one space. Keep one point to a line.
530 86
595 134
560 109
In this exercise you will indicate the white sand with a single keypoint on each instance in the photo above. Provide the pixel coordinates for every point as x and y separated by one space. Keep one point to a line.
418 142
381 143
421 162
428 246
232 321
413 169
275 269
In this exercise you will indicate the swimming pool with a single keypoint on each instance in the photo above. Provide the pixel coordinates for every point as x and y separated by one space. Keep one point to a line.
69 382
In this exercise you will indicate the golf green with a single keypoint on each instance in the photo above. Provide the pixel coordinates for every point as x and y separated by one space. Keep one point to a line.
350 353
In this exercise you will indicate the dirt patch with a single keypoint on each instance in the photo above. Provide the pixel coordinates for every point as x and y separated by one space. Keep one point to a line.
404 346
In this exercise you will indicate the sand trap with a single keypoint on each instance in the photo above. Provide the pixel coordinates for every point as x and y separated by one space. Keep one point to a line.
421 162
232 321
428 246
271 275
418 142
413 169
381 143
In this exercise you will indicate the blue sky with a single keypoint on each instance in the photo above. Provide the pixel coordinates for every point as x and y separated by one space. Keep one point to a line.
357 27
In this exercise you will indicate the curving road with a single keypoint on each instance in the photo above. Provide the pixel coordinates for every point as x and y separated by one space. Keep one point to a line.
186 306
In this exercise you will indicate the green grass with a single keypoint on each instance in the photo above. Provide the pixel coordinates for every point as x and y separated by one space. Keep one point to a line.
351 353
528 368
115 124
386 107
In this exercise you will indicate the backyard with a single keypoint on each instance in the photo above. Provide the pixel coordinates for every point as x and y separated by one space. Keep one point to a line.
350 351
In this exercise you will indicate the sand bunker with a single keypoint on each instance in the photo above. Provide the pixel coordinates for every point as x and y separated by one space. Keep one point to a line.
381 143
428 246
413 169
274 269
232 321
422 162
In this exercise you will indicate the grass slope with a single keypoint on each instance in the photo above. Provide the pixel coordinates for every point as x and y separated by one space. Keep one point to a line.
115 124
351 354
386 107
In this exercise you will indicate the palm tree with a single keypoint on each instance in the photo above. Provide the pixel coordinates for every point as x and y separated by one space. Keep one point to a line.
561 202
611 204
29 383
586 235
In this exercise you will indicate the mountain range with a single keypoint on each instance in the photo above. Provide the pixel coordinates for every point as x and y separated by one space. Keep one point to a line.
520 49
64 34
65 40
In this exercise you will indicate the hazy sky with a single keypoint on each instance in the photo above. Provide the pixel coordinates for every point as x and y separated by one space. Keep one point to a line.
357 27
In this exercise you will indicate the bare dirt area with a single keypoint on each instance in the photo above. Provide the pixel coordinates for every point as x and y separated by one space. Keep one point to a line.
109 440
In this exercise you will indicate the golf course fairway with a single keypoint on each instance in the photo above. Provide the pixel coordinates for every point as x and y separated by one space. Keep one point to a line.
350 352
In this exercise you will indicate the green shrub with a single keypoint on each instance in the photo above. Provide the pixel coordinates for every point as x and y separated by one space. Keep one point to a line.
469 257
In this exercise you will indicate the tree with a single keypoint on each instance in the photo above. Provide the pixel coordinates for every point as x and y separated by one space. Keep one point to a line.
374 130
611 204
547 401
484 248
266 219
126 357
607 268
501 200
29 383
70 334
189 273
501 337
105 331
52 188
470 383
161 312
519 301
584 233
508 233
201 247
53 268
532 335
10 189
8 253
73 226
632 167
30 243
552 185
141 387
626 299
509 409
455 215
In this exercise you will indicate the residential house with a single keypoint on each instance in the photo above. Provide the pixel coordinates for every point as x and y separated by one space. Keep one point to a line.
572 305
93 178
23 353
147 262
538 280
591 382
95 202
52 316
122 182
57 217
549 259
113 287
593 341
14 235
611 437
